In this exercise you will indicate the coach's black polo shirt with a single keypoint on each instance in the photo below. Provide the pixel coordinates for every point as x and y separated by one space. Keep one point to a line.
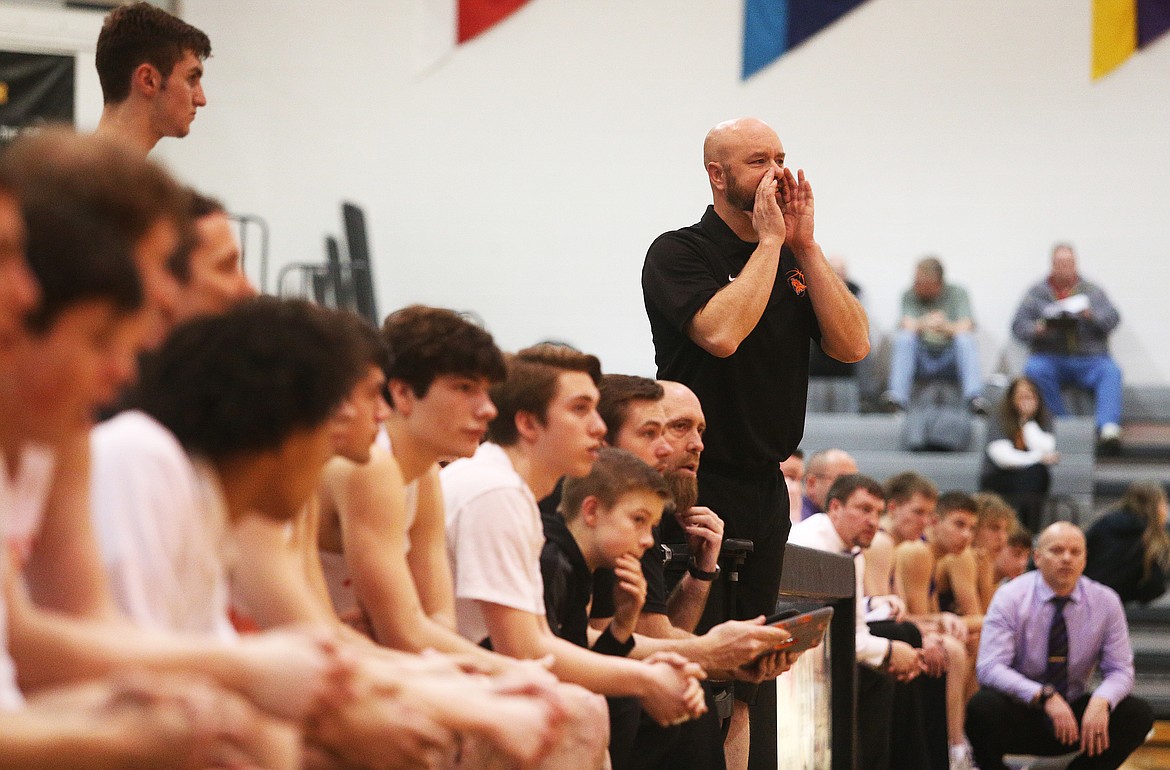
754 400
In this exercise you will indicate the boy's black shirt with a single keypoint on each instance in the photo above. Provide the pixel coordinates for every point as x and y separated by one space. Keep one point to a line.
568 587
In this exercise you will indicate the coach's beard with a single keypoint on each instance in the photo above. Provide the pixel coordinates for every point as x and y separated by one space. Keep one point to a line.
684 490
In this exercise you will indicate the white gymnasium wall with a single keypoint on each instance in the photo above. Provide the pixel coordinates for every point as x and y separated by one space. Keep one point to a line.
524 176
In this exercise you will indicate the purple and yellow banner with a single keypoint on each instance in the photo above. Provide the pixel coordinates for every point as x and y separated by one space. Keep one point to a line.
1121 27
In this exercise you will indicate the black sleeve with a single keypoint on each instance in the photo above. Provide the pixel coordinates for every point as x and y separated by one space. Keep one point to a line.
554 571
655 572
1150 588
676 281
606 644
652 567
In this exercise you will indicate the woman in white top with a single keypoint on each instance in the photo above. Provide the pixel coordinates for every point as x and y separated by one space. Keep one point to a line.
1020 452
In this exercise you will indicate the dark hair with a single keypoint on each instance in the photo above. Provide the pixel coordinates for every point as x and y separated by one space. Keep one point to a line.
901 487
531 384
844 487
617 392
1009 418
425 342
798 453
616 473
370 345
196 206
244 381
87 203
200 205
949 502
141 33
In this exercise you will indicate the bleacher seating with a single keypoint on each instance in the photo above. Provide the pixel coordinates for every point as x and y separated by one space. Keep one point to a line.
1072 477
834 395
875 441
1146 403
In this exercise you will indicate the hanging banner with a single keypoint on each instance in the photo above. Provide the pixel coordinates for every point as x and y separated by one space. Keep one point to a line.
35 89
771 28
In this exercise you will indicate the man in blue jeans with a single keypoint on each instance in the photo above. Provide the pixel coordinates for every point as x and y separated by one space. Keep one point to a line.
1067 321
935 339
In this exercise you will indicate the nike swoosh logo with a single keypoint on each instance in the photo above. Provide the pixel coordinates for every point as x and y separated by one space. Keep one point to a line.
731 277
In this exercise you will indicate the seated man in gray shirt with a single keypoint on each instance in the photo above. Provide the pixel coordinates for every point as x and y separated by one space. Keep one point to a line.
1066 322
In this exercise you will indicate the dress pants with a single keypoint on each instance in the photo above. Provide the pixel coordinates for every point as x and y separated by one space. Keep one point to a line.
997 724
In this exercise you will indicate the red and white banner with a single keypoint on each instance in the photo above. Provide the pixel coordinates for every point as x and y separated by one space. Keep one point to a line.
443 25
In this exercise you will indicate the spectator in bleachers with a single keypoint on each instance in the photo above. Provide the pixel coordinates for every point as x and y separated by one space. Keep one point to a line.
996 520
935 339
1020 451
793 470
821 470
1066 321
150 65
1129 548
1046 633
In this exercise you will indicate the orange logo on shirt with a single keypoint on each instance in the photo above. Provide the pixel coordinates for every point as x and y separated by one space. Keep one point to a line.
796 281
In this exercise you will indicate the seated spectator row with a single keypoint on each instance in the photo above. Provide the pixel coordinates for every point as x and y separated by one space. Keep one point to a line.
1064 320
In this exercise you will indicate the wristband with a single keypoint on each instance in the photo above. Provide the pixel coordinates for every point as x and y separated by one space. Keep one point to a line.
698 574
607 644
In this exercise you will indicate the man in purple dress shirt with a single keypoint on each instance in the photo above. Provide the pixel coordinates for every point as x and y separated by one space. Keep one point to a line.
1034 667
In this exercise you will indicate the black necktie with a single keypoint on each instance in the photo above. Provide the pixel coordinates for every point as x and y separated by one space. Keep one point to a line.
1057 672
